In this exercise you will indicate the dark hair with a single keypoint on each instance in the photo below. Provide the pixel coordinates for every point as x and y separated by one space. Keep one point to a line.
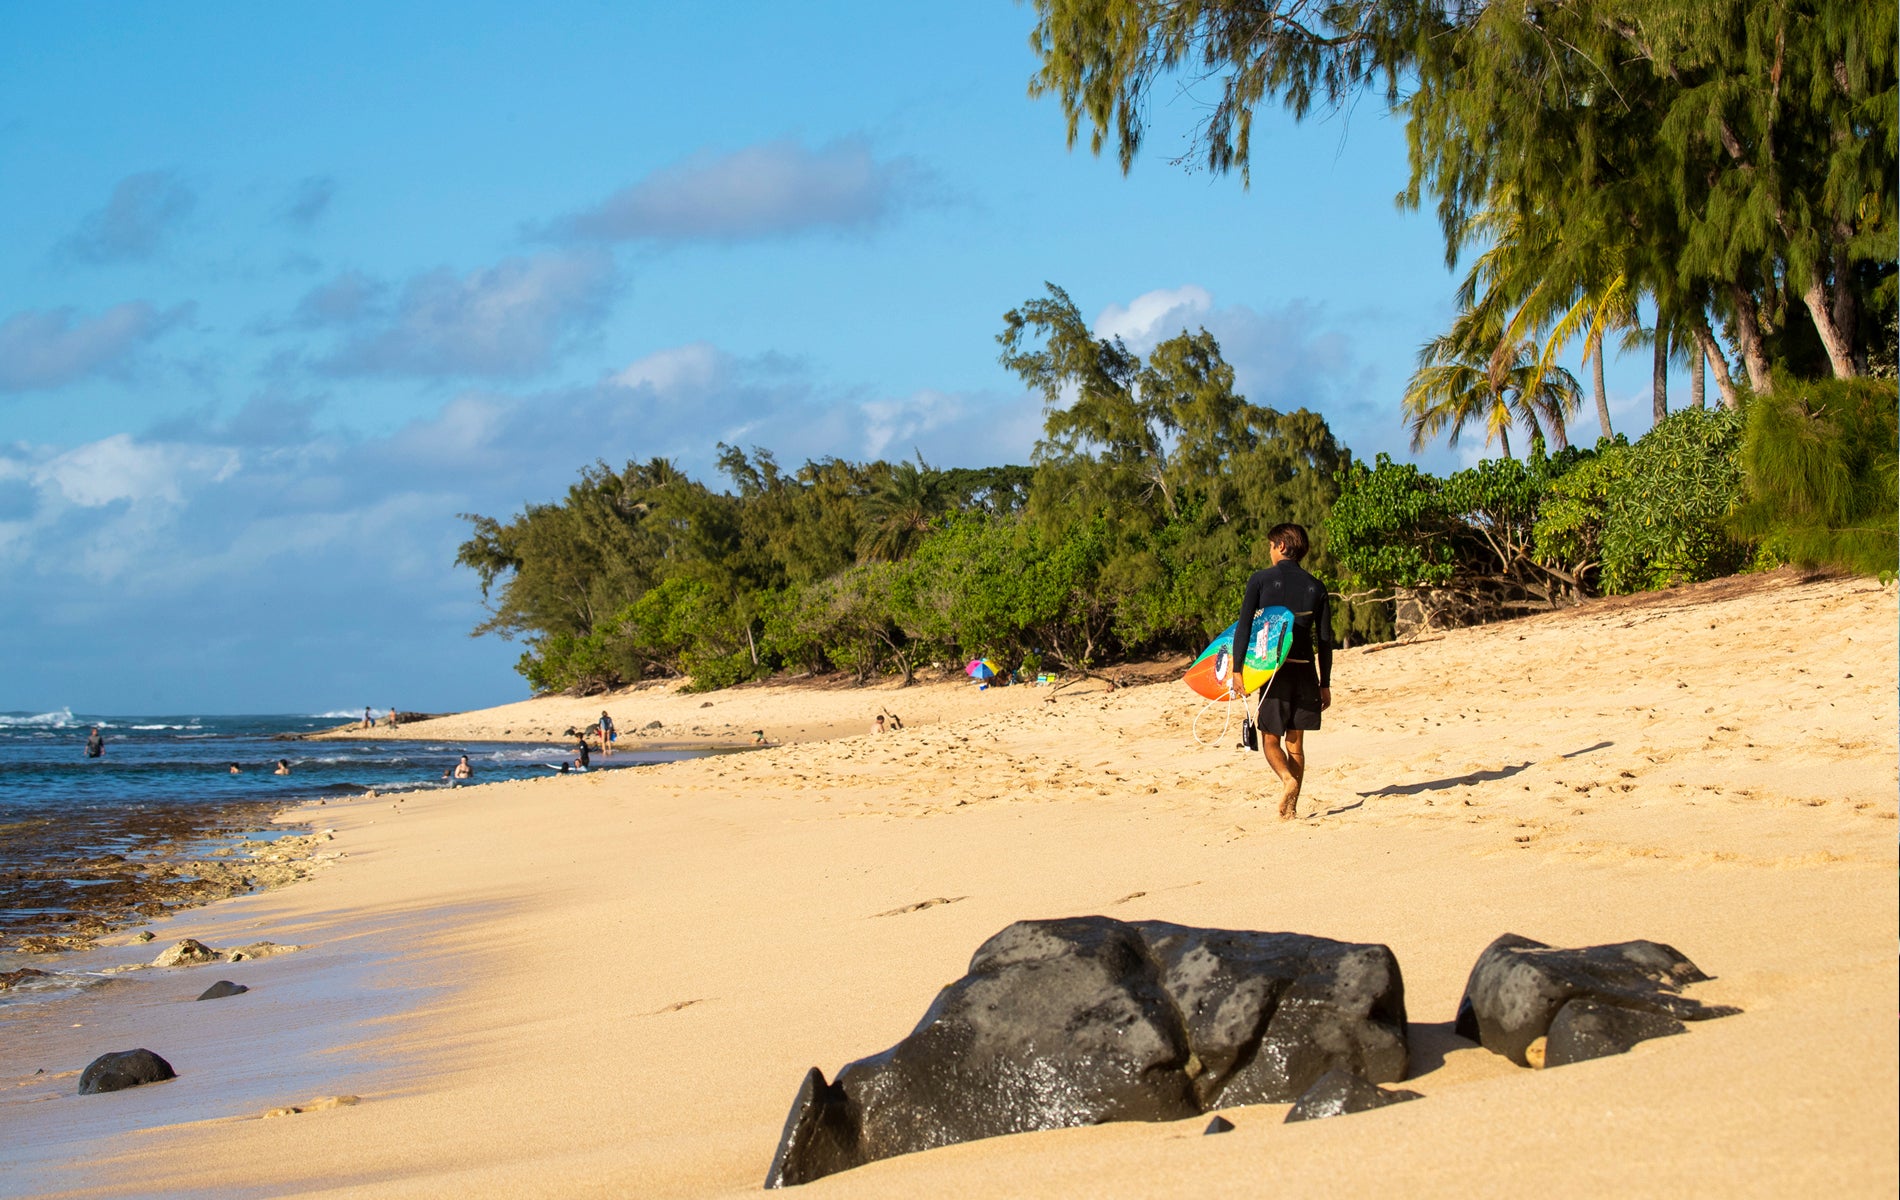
1291 539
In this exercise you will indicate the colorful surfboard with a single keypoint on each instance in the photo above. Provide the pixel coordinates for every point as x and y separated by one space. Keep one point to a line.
1266 650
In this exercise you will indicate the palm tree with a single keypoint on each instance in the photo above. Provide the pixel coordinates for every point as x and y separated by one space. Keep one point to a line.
1473 374
899 512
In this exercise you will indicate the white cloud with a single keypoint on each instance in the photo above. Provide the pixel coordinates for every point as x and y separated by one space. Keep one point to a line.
509 320
698 365
1154 316
768 190
47 348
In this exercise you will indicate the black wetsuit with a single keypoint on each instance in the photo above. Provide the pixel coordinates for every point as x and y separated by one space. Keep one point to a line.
95 745
1292 699
585 757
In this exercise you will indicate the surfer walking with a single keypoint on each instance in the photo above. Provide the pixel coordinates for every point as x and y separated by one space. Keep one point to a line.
1301 689
95 745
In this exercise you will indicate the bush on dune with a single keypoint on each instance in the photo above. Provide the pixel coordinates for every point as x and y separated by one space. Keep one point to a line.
1821 469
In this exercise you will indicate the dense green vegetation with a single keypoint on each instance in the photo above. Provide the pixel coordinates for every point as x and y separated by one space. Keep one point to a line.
1137 525
1134 531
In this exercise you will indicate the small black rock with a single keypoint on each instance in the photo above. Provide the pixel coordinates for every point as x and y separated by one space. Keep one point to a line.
223 988
1219 1124
1338 1093
123 1069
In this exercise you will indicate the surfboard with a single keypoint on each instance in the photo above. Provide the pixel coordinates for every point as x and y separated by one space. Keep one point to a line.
1266 650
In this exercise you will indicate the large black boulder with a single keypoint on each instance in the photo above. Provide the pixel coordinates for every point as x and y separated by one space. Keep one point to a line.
1588 1002
124 1069
1088 1019
1340 1093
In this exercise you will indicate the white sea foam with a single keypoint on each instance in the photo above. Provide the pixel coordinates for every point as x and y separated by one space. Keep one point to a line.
349 714
63 719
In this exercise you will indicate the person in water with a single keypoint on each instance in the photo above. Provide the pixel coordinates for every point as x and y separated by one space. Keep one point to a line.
95 745
236 770
1303 686
582 757
283 767
463 770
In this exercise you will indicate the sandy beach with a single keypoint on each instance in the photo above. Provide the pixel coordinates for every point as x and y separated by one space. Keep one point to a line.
612 984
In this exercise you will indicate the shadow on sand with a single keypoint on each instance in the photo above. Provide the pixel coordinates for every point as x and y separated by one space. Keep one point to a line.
1452 781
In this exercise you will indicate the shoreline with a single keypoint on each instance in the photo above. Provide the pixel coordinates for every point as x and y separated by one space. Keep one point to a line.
555 951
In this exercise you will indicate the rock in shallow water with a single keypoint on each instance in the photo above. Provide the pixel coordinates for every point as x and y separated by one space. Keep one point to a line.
223 988
1522 990
1089 1019
1340 1093
123 1069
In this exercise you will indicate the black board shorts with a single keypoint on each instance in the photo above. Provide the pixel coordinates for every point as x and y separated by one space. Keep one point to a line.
1291 700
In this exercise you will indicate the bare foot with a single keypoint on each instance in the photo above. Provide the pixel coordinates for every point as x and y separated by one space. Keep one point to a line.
1290 800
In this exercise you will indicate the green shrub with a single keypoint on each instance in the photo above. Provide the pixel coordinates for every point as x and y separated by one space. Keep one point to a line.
1820 467
1667 519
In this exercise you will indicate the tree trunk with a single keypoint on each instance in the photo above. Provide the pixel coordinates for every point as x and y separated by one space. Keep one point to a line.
1659 375
1748 333
1698 385
1504 439
1718 363
1839 354
1596 382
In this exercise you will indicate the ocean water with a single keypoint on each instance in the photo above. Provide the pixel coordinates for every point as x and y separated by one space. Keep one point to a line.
164 786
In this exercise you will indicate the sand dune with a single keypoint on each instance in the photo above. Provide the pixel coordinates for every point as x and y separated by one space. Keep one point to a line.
612 984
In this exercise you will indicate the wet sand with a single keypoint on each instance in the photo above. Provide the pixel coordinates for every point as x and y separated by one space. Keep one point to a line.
613 984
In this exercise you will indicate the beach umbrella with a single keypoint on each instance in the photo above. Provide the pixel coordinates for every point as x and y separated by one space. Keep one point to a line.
980 668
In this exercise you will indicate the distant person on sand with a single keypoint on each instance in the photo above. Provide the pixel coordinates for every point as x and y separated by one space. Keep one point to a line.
391 719
1302 688
608 735
283 767
879 727
369 722
95 745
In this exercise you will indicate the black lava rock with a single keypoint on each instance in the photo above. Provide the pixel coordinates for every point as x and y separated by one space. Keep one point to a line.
1218 1125
1519 988
1585 1029
1338 1093
127 1068
1088 1019
223 988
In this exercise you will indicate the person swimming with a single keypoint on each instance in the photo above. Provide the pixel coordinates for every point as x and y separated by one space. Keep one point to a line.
283 767
236 770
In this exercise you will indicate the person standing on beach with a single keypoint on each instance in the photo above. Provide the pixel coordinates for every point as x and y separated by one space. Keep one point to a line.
1302 688
607 734
369 722
95 745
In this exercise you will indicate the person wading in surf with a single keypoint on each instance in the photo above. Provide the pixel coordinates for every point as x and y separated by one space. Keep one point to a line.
1302 688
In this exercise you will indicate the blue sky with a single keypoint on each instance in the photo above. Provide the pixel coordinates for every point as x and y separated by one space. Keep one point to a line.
287 288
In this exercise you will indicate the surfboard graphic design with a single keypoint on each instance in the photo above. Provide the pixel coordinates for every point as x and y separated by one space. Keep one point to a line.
1267 648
